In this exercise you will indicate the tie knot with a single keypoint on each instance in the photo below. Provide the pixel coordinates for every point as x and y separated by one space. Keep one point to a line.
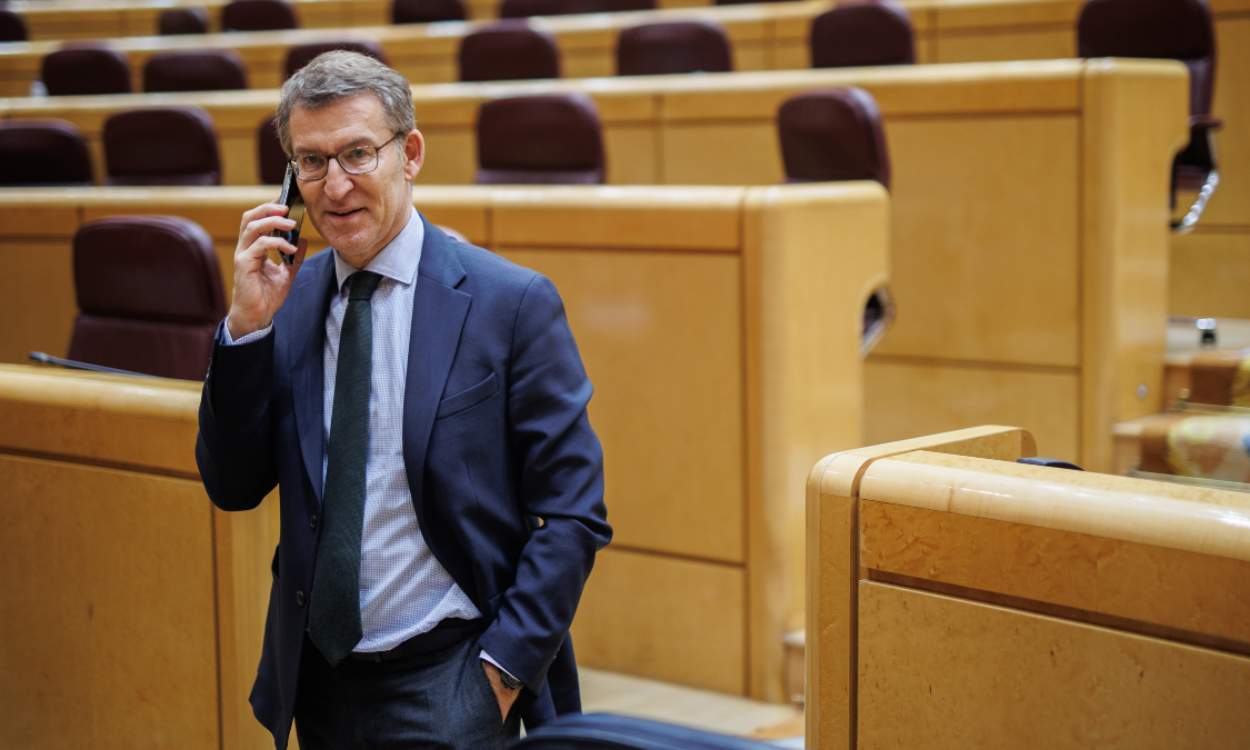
360 285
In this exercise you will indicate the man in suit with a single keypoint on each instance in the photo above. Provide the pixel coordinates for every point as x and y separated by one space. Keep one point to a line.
421 405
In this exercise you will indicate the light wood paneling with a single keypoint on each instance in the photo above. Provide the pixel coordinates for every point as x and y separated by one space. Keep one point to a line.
30 332
958 263
1004 678
660 336
108 636
674 620
1210 274
832 567
954 397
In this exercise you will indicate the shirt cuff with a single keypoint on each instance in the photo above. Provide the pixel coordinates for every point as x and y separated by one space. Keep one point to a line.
491 659
227 340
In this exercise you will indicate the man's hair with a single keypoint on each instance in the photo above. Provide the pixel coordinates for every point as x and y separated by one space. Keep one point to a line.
340 74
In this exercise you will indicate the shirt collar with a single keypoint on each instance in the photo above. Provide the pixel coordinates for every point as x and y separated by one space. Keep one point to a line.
397 261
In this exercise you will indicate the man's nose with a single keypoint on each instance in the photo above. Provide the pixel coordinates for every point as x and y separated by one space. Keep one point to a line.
338 181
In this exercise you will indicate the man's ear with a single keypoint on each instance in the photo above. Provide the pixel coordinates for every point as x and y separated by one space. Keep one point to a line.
414 153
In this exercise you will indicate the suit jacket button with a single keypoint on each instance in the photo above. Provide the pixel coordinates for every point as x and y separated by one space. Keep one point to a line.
299 598
312 522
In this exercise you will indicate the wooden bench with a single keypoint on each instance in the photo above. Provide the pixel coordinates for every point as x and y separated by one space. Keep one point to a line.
959 599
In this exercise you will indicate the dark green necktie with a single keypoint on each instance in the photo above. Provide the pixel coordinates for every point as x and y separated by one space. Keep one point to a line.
334 614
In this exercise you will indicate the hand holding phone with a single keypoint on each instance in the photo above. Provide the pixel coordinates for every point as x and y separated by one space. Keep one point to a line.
294 202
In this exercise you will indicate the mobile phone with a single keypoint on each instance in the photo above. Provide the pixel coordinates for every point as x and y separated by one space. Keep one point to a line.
294 202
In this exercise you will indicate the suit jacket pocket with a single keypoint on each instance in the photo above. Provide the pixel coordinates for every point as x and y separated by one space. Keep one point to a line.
469 397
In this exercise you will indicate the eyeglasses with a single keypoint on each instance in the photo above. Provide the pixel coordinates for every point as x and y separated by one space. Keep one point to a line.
361 159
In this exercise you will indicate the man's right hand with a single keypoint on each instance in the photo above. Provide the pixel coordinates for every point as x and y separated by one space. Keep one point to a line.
260 285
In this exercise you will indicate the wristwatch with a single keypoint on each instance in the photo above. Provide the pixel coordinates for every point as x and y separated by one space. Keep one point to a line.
509 681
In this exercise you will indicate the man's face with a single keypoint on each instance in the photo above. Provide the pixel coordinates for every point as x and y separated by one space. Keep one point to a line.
358 214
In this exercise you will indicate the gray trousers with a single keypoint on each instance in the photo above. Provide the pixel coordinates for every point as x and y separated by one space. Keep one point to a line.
438 700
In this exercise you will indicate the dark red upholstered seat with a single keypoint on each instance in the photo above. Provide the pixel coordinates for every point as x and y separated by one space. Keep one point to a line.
427 11
85 68
149 295
43 152
508 51
673 47
270 158
833 135
162 146
619 6
182 21
194 70
529 8
12 27
862 32
1167 29
258 15
302 54
548 139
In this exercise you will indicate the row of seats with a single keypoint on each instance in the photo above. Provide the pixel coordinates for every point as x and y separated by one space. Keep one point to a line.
875 33
540 139
273 15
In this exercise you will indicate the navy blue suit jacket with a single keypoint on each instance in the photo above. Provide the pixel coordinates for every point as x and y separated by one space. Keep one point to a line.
505 472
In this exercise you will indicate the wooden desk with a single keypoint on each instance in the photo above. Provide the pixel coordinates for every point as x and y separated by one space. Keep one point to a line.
1028 217
990 604
695 310
133 609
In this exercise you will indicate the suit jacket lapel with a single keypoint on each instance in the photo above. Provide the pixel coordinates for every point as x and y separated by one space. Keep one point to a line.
438 315
307 308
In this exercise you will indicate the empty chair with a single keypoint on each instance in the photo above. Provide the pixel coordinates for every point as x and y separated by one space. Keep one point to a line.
182 21
84 68
863 32
194 70
529 8
302 54
149 295
12 27
43 152
1170 29
833 135
548 139
166 146
618 6
508 51
271 160
427 11
673 47
257 15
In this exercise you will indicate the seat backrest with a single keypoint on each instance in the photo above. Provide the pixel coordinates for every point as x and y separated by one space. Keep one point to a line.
302 54
508 51
85 68
833 135
43 152
546 139
673 47
528 8
862 32
270 158
257 15
12 27
163 146
194 70
427 11
149 295
1168 29
620 6
182 21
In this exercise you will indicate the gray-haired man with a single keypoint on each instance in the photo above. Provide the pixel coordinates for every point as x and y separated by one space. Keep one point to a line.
422 406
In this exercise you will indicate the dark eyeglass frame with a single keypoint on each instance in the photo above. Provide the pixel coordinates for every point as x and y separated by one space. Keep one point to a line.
377 159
